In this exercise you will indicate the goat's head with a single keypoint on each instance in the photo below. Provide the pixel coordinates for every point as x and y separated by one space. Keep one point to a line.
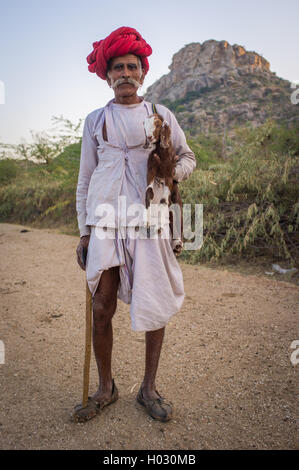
156 130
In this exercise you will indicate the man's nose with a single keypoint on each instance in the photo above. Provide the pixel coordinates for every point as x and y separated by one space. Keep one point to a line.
126 71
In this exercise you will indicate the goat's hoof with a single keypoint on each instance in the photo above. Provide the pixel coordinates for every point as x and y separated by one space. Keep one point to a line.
177 246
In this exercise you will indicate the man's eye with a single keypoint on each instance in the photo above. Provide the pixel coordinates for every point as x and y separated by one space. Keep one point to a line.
132 66
117 67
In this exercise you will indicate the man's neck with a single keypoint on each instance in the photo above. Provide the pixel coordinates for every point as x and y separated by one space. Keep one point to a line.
135 99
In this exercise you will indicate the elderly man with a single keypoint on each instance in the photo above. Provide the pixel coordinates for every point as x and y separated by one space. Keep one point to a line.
142 272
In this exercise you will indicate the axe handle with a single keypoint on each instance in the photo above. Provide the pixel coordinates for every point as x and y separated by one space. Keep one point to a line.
88 326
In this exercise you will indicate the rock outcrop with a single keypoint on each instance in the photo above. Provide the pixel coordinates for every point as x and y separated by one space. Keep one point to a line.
215 86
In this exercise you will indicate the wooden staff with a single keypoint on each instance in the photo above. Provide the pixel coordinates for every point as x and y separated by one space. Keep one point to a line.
88 326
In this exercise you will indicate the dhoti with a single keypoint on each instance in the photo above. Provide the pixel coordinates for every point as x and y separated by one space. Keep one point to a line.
151 279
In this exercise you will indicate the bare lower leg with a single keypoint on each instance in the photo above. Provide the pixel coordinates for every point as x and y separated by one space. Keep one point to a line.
102 345
153 344
104 306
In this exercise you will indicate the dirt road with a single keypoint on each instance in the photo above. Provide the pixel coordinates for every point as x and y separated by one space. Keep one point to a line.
225 362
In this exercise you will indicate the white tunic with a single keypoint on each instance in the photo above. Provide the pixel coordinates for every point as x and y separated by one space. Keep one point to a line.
151 280
128 125
102 173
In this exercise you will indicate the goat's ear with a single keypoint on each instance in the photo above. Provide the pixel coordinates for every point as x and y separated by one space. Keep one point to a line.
165 135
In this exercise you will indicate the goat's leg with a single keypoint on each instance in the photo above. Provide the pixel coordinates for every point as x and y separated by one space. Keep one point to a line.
166 195
152 169
177 235
171 225
162 203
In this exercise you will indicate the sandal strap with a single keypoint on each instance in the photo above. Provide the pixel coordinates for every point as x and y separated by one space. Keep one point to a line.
154 402
101 404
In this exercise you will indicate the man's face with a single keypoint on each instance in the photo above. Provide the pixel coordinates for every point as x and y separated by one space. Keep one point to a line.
125 75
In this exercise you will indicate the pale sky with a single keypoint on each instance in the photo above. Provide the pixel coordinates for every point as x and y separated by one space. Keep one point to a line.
44 44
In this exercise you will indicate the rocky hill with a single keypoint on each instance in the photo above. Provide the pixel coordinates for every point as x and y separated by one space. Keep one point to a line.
214 86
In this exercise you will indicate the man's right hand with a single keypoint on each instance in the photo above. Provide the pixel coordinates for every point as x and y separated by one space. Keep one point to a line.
82 251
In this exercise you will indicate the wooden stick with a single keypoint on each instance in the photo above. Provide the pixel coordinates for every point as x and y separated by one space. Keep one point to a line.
88 325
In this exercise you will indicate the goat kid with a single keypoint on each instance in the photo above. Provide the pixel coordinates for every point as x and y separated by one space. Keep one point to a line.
161 188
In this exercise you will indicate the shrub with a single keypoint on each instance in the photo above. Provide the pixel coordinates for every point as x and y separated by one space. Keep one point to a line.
8 171
251 203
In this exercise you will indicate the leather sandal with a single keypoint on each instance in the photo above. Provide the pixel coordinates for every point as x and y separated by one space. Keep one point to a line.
157 408
93 407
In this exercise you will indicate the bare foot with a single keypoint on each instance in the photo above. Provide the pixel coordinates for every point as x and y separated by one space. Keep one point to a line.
102 394
149 394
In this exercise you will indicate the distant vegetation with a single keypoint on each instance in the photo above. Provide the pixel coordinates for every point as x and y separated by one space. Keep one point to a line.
248 187
251 200
39 187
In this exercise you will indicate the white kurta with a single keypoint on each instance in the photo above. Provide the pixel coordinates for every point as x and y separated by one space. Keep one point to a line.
151 280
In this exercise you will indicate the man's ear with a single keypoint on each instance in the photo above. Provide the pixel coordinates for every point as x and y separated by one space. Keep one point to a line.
142 77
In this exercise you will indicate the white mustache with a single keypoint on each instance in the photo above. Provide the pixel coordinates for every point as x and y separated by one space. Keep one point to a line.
120 81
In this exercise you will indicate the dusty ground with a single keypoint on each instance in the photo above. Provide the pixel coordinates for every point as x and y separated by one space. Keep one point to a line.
225 362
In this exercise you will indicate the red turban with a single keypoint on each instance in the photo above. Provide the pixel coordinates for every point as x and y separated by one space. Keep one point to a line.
120 42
